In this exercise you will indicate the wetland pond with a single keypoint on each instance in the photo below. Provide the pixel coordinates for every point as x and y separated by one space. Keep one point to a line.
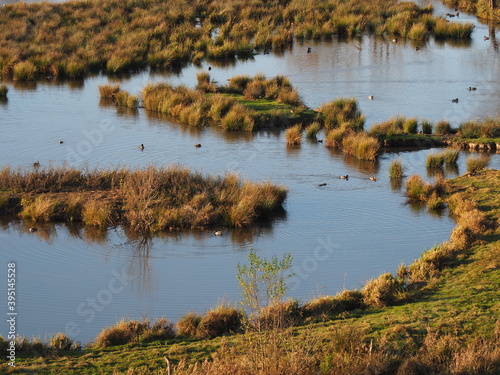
78 281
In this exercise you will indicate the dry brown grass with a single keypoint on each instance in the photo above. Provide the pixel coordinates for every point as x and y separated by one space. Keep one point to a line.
146 200
293 135
361 145
188 324
41 208
223 320
125 332
383 291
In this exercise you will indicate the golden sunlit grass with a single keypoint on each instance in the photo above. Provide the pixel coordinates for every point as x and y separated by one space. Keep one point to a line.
477 163
361 145
396 170
293 135
148 200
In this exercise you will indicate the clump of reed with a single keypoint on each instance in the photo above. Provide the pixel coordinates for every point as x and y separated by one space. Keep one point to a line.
383 291
125 332
124 99
451 30
108 91
489 128
475 164
238 118
396 170
41 208
331 306
60 341
342 113
279 315
312 130
335 137
96 214
361 145
418 190
427 127
3 91
393 126
410 125
434 161
223 320
204 82
451 157
443 128
188 324
418 31
278 88
293 135
24 71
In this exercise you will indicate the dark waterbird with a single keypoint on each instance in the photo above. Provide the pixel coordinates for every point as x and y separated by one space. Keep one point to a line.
346 177
141 147
454 100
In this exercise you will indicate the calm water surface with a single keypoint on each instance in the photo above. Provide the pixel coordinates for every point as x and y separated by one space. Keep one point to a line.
340 235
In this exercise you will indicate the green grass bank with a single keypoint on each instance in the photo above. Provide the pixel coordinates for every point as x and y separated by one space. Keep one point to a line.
438 315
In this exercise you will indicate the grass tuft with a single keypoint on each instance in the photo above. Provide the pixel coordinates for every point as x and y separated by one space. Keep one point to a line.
293 135
475 164
396 170
361 145
3 91
312 130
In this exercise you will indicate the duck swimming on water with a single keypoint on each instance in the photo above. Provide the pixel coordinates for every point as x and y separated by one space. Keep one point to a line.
346 177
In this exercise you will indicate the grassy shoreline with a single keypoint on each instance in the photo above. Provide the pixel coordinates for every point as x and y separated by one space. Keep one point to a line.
148 200
439 314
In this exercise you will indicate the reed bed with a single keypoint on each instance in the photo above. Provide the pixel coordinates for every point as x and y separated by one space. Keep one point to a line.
74 39
149 200
489 128
229 107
